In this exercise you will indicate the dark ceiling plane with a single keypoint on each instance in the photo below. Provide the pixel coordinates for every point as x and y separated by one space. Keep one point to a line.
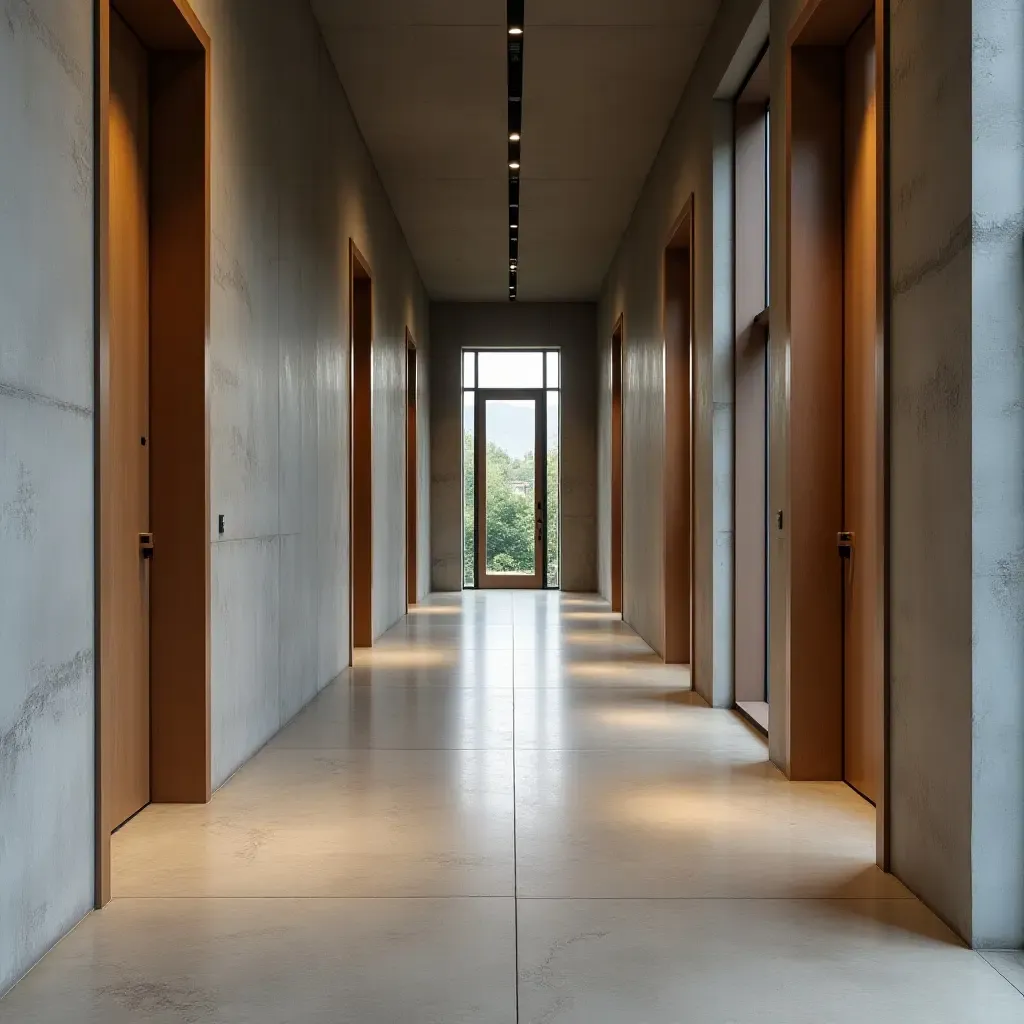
515 11
429 83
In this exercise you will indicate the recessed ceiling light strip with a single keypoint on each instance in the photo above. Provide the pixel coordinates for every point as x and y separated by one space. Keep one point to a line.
516 15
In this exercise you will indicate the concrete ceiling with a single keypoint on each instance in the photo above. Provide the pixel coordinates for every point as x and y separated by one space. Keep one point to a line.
426 80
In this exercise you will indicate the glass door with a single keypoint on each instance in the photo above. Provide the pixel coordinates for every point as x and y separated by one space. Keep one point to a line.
511 463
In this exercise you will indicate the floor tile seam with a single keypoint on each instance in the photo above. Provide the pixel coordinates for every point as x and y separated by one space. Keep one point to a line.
612 750
588 687
524 747
717 899
515 837
360 750
506 897
392 750
992 966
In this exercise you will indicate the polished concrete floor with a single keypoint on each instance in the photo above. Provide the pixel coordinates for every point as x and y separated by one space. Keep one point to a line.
510 811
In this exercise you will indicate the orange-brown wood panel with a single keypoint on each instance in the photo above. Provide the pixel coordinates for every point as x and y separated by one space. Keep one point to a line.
362 452
164 25
751 368
128 416
829 22
815 232
882 228
179 281
862 681
616 426
678 455
178 313
411 476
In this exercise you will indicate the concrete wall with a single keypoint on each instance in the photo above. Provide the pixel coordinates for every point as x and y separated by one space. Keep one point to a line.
569 326
957 483
997 472
292 181
46 489
930 491
695 158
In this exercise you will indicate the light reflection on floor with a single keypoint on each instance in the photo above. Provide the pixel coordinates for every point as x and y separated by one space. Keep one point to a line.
508 767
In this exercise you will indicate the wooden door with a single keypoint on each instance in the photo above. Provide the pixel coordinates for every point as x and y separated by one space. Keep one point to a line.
861 686
361 480
411 480
129 421
616 517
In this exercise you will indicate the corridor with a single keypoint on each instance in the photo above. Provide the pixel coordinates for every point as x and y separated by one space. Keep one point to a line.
362 867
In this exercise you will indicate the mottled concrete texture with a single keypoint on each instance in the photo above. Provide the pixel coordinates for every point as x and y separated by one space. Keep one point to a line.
997 473
957 498
292 182
695 159
930 486
46 492
568 326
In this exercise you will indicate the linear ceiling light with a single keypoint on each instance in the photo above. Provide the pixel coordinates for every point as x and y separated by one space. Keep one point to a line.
515 16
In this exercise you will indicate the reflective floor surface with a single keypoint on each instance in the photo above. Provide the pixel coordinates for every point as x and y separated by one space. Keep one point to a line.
510 810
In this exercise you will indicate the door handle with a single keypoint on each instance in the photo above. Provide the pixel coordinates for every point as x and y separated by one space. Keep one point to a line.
146 545
844 541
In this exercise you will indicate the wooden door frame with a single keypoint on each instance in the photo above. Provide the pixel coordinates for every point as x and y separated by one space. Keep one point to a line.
411 472
679 238
539 397
824 23
618 505
180 478
360 470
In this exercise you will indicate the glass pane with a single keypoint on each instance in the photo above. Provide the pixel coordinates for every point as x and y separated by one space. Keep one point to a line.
469 369
552 358
511 370
468 488
554 492
511 486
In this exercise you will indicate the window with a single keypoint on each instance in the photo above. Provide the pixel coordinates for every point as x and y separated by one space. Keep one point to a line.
507 465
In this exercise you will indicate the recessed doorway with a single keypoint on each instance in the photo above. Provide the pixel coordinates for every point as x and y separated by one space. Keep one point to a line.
153 497
677 321
836 702
361 433
616 474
